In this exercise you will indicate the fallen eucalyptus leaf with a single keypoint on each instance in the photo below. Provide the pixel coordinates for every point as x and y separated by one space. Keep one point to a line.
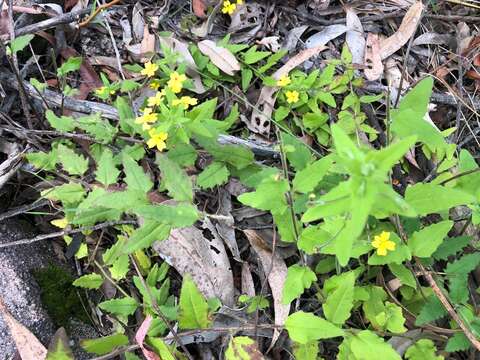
219 56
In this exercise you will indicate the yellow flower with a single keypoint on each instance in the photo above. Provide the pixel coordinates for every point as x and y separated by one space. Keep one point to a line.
157 138
292 96
383 243
149 69
185 101
176 82
228 7
155 84
284 81
103 91
239 2
157 99
146 119
61 223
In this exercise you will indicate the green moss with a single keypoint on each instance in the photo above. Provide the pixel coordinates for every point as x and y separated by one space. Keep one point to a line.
60 298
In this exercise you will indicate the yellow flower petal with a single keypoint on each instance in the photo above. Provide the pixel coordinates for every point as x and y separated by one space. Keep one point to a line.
60 223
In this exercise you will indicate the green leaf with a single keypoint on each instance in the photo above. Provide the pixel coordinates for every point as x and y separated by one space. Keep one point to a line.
298 279
105 344
305 327
193 306
242 348
42 160
464 265
70 193
430 198
120 267
72 162
62 123
59 348
182 154
403 274
423 349
182 215
458 342
339 302
431 311
327 98
423 243
100 129
247 76
107 173
252 56
146 235
126 116
299 155
267 196
214 174
162 349
135 177
176 181
312 238
72 64
20 42
90 281
450 247
308 351
306 180
367 345
122 307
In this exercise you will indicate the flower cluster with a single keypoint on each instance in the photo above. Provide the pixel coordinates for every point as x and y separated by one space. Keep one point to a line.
150 114
229 7
292 95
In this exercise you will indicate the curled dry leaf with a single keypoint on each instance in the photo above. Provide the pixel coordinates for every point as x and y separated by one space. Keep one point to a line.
323 37
406 30
140 337
221 57
355 37
225 228
291 40
28 346
272 43
204 257
276 270
262 112
199 8
373 61
248 287
432 38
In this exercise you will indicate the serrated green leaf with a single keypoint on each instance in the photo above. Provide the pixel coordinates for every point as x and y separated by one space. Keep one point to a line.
367 345
120 267
308 351
431 311
305 327
213 175
458 342
193 306
62 123
72 162
72 64
423 243
59 348
182 215
122 307
307 179
107 173
67 193
339 303
430 198
100 129
20 42
298 279
182 154
403 274
423 349
176 181
89 281
450 247
135 177
267 196
104 345
42 160
299 156
146 235
92 216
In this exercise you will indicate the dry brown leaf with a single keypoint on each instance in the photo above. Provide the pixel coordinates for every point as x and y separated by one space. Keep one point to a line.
28 346
248 287
373 61
327 34
199 8
406 30
140 337
204 257
221 57
354 37
262 112
276 270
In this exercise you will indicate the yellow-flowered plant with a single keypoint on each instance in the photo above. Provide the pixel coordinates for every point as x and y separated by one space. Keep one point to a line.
383 243
156 99
284 81
292 96
176 82
155 84
104 91
157 139
149 69
229 7
148 118
185 101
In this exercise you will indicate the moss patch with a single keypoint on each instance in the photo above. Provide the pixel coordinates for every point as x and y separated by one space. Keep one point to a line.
59 296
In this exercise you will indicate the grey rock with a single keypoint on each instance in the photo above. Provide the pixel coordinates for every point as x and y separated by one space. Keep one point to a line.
18 289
